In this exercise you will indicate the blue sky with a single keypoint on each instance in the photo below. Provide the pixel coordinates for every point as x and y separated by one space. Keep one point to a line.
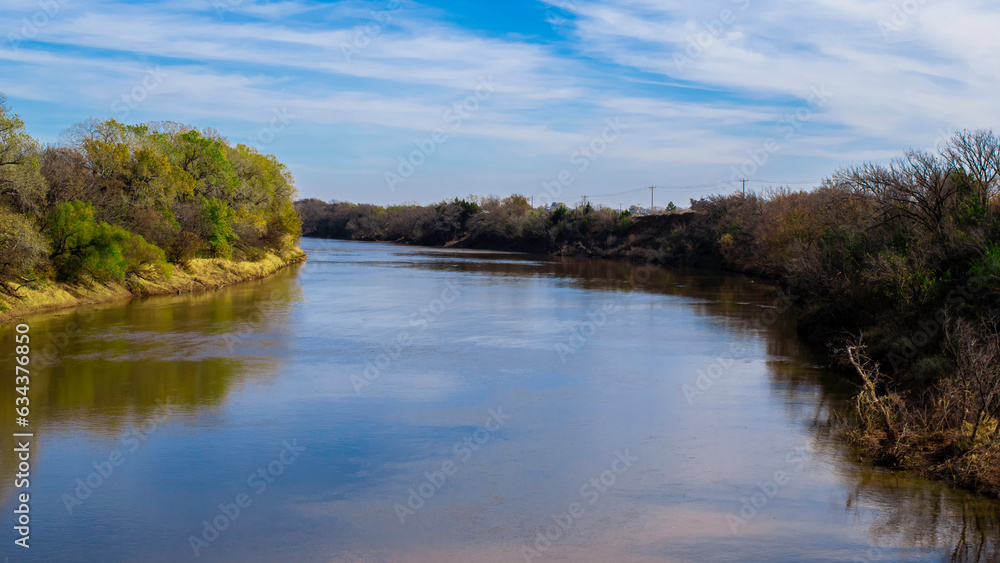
359 98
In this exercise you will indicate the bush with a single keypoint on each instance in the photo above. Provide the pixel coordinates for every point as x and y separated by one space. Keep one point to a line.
217 224
83 246
22 248
283 229
143 259
183 248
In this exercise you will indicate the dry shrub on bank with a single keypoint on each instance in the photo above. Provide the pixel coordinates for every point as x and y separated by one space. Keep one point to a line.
883 416
954 432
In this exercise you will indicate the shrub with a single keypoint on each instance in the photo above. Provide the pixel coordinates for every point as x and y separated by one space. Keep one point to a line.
22 248
283 229
217 224
183 248
143 259
83 246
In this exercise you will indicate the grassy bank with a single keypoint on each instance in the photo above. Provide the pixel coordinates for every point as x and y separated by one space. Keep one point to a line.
197 275
118 210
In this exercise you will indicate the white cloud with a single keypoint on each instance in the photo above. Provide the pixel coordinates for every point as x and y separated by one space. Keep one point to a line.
936 68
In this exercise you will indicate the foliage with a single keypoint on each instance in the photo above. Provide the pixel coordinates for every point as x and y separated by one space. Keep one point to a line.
487 222
21 184
905 255
22 248
217 222
82 245
120 200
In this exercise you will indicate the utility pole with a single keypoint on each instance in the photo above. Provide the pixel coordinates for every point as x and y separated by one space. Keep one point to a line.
651 188
585 201
744 187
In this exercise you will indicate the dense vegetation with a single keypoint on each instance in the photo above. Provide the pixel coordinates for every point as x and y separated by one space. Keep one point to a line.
896 266
120 200
487 222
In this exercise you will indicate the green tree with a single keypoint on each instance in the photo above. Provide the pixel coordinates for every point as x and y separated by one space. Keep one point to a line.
204 158
21 184
218 219
84 247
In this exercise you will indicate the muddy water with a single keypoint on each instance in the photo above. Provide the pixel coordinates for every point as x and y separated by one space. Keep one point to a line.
387 403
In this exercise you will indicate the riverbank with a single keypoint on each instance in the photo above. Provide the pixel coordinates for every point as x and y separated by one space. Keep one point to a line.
200 274
914 290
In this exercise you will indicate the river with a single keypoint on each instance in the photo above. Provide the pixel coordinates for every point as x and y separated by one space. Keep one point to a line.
393 403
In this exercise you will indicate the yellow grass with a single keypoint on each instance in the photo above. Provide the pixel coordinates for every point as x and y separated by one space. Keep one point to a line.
200 274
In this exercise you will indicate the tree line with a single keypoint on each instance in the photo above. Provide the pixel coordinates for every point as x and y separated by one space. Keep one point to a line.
116 200
508 223
896 267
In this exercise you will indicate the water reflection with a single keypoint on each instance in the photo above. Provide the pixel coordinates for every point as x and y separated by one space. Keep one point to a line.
916 519
921 516
104 369
247 367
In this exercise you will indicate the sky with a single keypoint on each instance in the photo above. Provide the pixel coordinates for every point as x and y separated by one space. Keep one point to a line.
398 101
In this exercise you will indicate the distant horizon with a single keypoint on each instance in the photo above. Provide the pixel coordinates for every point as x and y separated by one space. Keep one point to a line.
392 101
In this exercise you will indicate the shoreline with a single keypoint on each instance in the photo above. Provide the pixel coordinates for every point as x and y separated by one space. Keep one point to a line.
948 472
201 274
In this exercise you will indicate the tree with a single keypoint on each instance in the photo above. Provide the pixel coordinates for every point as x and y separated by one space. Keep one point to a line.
83 246
217 226
22 248
919 187
976 154
21 184
204 158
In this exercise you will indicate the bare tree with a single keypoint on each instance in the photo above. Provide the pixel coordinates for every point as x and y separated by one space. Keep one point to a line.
976 351
977 155
919 187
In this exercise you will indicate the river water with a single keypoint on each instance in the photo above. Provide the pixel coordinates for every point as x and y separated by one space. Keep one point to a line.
392 403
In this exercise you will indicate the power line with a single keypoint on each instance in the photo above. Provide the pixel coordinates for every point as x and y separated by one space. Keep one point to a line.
786 183
636 191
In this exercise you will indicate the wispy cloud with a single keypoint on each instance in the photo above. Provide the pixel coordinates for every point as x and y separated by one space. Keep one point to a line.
745 65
